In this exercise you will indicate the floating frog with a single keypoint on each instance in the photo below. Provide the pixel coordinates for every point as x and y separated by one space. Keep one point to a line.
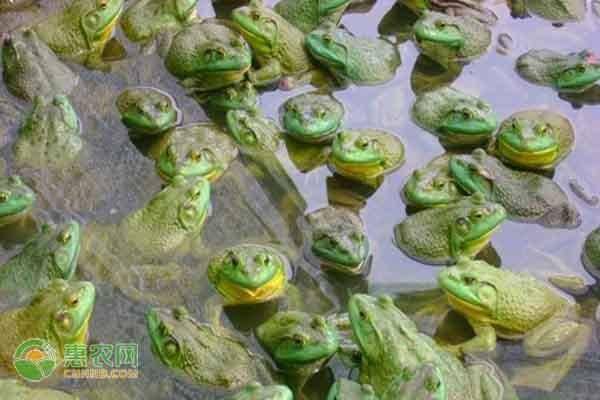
558 11
50 137
352 59
16 200
344 389
366 154
31 69
17 390
451 40
312 117
307 15
52 254
526 196
572 72
253 132
80 32
59 313
591 253
533 139
208 56
207 354
239 96
456 118
442 235
147 111
256 391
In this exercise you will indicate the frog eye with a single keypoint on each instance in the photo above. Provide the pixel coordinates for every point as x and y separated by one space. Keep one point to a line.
479 214
194 155
468 280
263 258
543 130
247 86
300 339
327 38
92 20
64 237
292 107
171 348
320 112
73 299
467 114
4 196
440 24
255 15
580 68
208 155
487 294
232 259
462 224
163 329
356 236
64 321
362 142
162 106
103 4
363 315
439 183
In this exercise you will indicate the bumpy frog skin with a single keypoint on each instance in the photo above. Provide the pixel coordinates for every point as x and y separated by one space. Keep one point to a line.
533 139
252 131
17 390
31 69
351 59
52 254
249 274
207 355
338 239
366 154
555 10
456 118
16 200
311 117
451 39
256 391
445 234
147 111
573 72
527 197
343 389
146 18
50 137
432 185
591 253
307 15
80 31
59 313
208 56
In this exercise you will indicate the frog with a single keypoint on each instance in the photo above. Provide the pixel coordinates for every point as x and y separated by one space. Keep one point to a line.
362 61
254 132
366 155
50 136
432 185
590 255
239 96
308 15
51 254
144 19
399 362
31 69
207 56
473 9
457 118
337 239
207 355
312 117
80 31
558 11
535 140
526 196
256 391
17 390
147 111
58 313
17 200
443 235
451 40
345 389
573 72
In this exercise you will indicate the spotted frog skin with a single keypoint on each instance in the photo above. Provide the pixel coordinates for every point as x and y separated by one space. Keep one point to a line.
307 15
16 200
147 111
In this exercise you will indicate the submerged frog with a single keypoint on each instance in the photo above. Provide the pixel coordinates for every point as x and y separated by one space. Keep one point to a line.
50 137
52 254
312 117
533 139
256 391
31 69
17 390
352 59
443 235
456 118
526 196
16 200
591 253
253 132
147 111
207 354
307 15
558 11
80 32
572 72
59 313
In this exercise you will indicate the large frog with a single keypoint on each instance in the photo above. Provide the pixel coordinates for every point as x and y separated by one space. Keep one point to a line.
253 132
256 391
207 354
31 69
591 253
456 118
443 235
17 390
52 254
240 96
307 15
59 313
526 196
352 59
16 200
572 72
50 137
557 11
80 32
344 389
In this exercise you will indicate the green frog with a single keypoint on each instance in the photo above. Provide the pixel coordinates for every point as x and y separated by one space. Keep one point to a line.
526 196
17 390
308 15
16 200
344 389
443 235
256 391
312 117
591 253
80 32
557 11
253 132
239 96
31 69
456 118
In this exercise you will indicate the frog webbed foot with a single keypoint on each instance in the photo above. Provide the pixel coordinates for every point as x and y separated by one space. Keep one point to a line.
488 381
556 336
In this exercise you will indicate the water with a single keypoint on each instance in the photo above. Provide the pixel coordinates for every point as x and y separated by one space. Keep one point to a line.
114 179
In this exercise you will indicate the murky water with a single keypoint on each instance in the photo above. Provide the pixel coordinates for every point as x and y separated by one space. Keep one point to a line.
114 178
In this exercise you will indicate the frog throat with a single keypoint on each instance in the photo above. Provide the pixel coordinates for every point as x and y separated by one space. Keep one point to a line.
92 38
470 310
528 158
472 247
236 294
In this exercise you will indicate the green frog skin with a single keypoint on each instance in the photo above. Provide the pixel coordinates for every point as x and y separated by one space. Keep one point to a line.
256 391
31 69
16 200
572 72
591 253
240 96
526 196
443 235
253 131
147 111
308 15
52 254
344 389
17 390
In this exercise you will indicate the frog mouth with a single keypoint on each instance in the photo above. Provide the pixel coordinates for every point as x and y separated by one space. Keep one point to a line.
235 294
528 158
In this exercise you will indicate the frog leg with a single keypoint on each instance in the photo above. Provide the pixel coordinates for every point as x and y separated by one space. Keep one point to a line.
483 342
553 337
213 310
267 74
488 381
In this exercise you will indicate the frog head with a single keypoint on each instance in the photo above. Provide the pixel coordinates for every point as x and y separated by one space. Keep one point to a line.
253 131
353 150
470 173
439 29
528 142
147 111
468 118
59 246
430 189
16 199
189 158
312 118
259 25
577 72
98 19
172 332
325 45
